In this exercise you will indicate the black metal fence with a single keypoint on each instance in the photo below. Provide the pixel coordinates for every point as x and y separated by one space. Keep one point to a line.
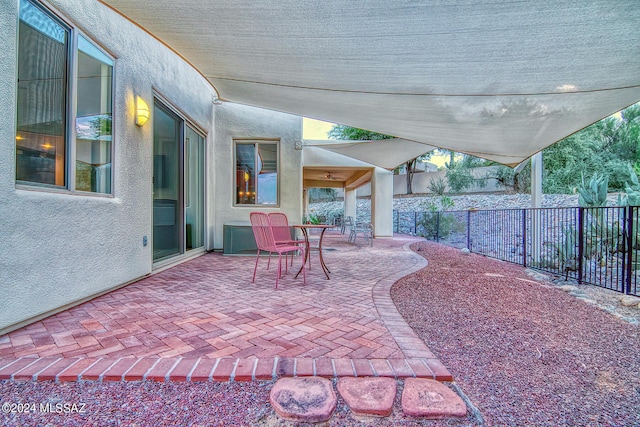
598 246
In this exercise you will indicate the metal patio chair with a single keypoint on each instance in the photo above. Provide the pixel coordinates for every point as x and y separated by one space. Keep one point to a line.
265 240
347 222
282 232
366 229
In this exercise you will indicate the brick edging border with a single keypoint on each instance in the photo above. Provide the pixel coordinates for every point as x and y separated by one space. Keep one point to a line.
222 369
409 342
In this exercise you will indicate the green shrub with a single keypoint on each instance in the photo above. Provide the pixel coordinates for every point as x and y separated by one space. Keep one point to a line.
438 185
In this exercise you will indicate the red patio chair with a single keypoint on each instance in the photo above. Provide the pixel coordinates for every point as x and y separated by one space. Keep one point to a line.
265 240
282 231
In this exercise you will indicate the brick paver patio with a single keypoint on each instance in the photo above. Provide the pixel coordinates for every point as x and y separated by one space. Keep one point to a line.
205 319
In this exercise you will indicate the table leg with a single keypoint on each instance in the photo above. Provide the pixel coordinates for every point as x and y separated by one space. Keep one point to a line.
306 250
325 269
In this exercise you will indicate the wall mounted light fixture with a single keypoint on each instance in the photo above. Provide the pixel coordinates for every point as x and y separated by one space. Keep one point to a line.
142 111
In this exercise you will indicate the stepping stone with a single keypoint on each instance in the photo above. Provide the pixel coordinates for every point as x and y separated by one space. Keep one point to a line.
629 301
425 398
368 396
305 399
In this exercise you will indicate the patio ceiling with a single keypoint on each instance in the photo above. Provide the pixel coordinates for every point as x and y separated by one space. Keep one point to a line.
500 80
335 176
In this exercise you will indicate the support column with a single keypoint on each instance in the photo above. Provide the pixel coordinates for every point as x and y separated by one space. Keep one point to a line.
536 180
382 202
536 202
305 206
350 203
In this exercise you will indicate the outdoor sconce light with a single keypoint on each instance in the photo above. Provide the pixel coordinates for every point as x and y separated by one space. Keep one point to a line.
142 111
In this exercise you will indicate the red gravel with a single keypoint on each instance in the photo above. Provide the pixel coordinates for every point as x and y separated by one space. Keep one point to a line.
525 354
138 403
156 404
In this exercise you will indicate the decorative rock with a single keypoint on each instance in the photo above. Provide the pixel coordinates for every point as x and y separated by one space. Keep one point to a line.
568 288
368 396
493 275
305 399
536 275
465 251
425 398
629 301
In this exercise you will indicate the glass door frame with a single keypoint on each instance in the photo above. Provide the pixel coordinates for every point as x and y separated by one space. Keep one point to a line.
184 123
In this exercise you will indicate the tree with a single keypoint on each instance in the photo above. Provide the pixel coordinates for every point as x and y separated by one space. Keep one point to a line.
460 173
607 147
355 134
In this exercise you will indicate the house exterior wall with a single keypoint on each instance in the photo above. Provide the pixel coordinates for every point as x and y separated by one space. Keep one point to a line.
234 121
55 247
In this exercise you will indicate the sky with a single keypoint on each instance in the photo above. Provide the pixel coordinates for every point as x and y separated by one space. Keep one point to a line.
315 129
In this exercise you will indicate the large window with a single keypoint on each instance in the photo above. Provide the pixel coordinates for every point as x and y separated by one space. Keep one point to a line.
57 145
256 178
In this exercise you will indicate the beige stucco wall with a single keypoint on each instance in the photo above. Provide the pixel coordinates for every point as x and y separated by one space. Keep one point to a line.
57 247
235 121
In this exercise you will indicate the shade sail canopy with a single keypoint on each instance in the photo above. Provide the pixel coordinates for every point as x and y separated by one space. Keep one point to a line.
386 153
500 80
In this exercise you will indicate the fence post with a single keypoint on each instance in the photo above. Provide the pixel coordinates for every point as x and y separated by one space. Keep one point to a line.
629 243
524 237
580 242
469 230
438 226
415 223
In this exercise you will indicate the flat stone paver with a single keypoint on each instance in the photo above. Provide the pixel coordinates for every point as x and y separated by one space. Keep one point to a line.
208 308
424 398
309 399
368 396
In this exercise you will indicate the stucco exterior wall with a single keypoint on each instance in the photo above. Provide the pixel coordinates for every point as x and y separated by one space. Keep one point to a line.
234 121
57 247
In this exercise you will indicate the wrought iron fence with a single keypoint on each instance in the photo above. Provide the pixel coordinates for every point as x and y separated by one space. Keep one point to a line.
598 246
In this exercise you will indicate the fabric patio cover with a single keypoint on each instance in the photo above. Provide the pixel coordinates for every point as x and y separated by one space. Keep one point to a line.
386 153
499 80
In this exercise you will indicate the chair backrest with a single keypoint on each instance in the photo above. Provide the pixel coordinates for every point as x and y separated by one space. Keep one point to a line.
262 230
280 227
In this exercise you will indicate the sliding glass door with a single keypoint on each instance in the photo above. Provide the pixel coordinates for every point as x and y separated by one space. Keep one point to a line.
194 186
178 185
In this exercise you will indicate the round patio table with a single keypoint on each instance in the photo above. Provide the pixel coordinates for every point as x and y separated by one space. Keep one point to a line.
305 231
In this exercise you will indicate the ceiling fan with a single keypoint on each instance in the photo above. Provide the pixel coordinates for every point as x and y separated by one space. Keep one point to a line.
331 176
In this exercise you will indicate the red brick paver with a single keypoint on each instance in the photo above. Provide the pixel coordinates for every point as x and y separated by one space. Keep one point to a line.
204 320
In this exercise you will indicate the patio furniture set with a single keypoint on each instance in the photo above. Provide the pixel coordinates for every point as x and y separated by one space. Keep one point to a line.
273 235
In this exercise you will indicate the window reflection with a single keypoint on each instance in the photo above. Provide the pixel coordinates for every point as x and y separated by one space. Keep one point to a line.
93 119
256 173
42 73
